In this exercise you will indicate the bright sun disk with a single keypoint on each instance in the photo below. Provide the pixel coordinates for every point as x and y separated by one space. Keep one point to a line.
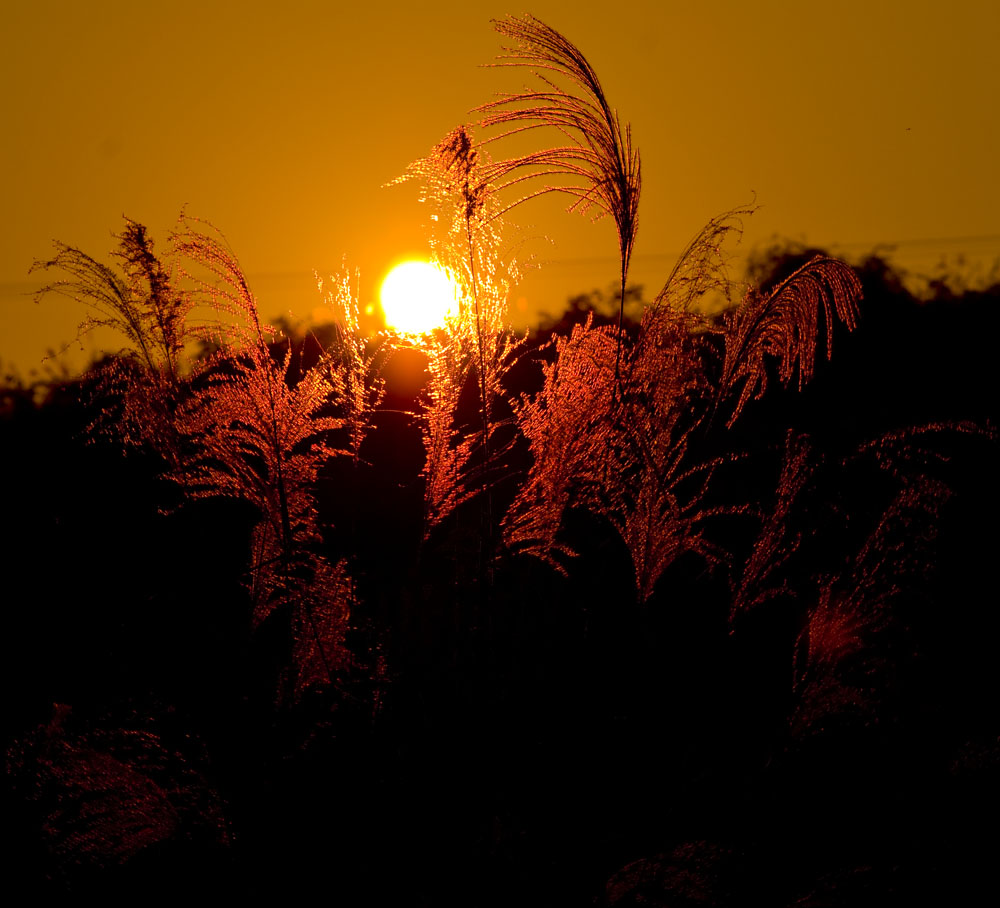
417 297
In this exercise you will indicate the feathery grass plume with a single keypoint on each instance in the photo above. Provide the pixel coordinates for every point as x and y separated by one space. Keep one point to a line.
568 429
454 174
352 366
448 449
837 655
702 268
599 167
623 457
466 241
656 491
784 323
910 461
143 304
105 793
630 456
913 451
778 540
635 466
261 439
229 426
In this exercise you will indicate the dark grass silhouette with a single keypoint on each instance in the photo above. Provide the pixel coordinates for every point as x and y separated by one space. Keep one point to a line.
733 737
677 611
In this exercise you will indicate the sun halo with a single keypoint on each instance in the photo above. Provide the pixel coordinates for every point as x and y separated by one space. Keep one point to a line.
417 297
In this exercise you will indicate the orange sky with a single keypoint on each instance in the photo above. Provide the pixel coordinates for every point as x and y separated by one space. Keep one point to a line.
855 123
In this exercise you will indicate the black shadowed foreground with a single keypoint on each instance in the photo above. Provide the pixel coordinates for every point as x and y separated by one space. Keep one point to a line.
680 610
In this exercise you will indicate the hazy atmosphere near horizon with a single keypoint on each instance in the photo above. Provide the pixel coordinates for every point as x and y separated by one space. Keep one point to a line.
853 125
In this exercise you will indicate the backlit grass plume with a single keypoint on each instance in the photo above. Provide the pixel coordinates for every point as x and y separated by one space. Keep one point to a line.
142 302
259 436
702 270
784 323
467 241
596 164
616 445
353 365
843 648
238 424
567 424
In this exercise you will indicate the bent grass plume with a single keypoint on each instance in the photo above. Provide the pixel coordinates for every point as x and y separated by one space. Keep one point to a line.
144 305
785 324
643 436
599 167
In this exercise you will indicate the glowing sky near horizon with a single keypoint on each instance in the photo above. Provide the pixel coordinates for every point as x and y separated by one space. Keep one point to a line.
856 123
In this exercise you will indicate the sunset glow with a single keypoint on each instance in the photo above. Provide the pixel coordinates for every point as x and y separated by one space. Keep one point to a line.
406 536
417 297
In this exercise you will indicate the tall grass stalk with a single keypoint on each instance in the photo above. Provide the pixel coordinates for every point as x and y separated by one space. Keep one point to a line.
599 167
261 436
467 242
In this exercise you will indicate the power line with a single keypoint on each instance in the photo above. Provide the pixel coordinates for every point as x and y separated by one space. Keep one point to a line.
928 242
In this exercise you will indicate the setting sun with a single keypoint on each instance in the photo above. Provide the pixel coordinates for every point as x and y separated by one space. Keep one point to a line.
417 297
